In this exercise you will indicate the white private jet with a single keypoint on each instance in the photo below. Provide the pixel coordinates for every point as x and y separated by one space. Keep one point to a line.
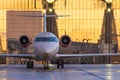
46 47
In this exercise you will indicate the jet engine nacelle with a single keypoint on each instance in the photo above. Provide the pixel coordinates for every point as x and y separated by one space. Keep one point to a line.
65 41
24 41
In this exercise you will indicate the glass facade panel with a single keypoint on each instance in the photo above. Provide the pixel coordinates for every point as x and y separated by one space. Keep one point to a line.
85 21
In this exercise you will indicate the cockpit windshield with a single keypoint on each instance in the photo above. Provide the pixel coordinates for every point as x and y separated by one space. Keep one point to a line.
46 39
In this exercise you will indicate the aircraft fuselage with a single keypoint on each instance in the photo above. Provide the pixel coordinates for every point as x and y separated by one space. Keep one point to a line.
45 44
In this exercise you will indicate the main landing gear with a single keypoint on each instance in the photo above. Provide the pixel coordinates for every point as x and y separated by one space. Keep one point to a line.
30 64
60 62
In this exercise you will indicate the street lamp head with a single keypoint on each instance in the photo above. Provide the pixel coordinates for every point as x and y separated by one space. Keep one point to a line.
50 1
109 10
109 1
109 4
50 10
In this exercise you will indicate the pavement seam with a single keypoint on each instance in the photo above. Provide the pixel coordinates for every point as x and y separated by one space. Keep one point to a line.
52 77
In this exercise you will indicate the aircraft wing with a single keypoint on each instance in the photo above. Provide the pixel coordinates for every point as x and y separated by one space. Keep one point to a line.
87 55
18 55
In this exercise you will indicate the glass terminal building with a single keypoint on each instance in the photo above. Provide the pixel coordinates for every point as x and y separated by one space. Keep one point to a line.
84 23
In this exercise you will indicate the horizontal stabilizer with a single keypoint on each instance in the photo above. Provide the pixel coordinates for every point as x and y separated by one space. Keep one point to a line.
31 15
46 15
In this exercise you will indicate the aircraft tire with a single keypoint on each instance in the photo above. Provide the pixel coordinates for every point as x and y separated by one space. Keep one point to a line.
58 63
46 66
62 64
30 64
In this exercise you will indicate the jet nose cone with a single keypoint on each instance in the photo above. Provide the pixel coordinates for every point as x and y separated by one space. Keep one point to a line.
47 51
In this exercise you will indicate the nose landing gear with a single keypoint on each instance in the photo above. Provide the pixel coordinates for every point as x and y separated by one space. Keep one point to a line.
46 63
46 66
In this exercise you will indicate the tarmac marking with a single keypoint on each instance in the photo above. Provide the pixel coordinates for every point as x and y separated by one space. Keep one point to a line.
52 77
93 74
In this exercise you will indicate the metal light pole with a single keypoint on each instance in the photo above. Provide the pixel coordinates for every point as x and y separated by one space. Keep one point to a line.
51 21
108 33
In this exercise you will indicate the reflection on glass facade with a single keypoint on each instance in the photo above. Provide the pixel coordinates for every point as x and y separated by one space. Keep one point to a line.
85 21
2 29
